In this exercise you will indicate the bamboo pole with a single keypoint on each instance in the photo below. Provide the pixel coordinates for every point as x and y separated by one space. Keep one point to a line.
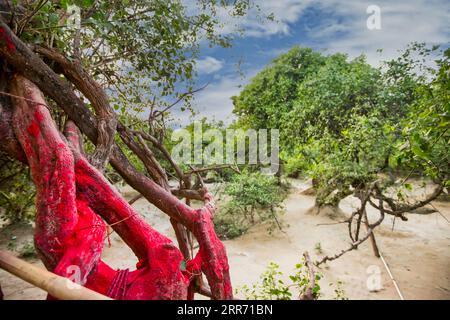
57 286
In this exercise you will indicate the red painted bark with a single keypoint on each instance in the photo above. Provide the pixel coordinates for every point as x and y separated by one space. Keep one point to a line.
72 196
5 38
63 235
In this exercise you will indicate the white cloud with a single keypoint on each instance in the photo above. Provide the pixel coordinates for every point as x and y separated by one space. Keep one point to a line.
402 22
214 102
208 65
340 27
286 12
255 24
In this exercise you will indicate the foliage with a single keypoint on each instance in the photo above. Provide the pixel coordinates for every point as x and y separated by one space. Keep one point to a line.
143 53
138 48
28 250
271 285
228 226
271 93
252 197
425 136
318 248
16 191
325 96
339 291
344 122
352 161
253 191
201 140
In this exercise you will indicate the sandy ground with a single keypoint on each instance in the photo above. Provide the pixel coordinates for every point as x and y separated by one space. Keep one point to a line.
417 251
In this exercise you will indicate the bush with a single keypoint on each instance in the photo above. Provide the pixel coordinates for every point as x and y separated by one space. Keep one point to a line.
17 191
228 227
272 287
253 197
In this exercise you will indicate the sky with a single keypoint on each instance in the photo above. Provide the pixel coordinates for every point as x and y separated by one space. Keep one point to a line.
328 26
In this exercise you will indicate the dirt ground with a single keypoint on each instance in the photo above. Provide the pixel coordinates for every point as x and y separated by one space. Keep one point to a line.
417 251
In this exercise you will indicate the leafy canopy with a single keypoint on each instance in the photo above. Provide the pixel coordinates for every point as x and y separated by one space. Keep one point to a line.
343 121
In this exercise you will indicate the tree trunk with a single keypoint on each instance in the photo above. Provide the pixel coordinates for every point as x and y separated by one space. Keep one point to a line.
101 199
71 194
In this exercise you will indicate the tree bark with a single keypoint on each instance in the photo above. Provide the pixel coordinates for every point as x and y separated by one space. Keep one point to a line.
212 255
106 118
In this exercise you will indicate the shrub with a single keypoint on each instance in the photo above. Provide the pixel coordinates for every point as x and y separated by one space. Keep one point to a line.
339 292
228 227
252 198
17 191
272 287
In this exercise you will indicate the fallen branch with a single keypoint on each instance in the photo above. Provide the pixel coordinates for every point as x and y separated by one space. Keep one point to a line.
356 244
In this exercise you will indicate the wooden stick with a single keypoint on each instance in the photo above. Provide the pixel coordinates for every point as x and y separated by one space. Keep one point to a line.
376 252
57 286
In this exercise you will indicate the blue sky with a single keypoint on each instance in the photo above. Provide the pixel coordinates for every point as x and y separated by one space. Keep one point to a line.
325 25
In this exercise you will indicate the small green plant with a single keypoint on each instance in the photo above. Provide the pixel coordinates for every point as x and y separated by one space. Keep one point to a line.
12 244
339 291
17 192
253 198
318 248
228 226
28 250
272 287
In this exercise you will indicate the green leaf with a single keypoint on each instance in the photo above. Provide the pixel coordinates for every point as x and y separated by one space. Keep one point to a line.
419 152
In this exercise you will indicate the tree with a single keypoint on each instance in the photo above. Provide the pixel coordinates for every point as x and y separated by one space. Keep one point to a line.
123 55
349 125
266 100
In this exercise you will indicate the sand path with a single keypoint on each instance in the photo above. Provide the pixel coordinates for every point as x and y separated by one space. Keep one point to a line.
417 251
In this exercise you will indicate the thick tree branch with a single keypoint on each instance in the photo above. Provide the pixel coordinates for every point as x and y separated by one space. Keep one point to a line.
106 118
